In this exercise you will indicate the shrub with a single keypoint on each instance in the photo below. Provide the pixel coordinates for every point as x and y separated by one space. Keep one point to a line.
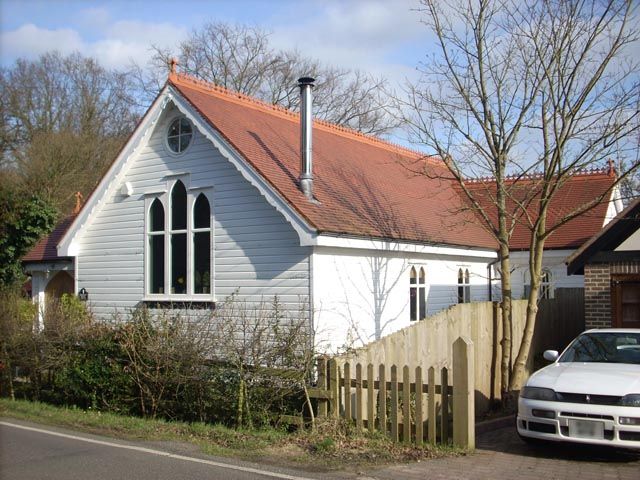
65 315
88 369
243 367
17 346
268 349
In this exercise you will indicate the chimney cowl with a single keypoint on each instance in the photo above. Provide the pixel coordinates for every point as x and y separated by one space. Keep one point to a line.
306 130
306 81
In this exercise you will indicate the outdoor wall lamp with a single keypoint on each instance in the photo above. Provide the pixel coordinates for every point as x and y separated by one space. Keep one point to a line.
83 295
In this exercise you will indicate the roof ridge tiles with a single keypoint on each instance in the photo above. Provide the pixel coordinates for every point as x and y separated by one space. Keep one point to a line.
209 87
585 172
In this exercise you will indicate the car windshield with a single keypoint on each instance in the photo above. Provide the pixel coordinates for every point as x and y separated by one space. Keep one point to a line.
604 347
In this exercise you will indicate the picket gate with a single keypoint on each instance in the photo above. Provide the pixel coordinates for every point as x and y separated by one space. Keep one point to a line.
396 400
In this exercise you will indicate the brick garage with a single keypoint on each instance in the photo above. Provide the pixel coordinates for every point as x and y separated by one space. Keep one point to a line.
601 281
610 262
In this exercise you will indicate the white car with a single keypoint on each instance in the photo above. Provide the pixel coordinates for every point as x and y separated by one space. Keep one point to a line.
589 394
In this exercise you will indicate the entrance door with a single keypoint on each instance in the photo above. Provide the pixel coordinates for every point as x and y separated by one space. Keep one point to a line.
625 298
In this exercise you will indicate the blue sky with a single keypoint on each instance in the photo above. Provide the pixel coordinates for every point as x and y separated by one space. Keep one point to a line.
383 37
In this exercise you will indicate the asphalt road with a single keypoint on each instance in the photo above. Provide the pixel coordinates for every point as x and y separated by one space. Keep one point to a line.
30 452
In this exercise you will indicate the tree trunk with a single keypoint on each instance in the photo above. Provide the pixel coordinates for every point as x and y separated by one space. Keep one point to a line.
8 370
240 407
519 374
310 406
505 280
35 373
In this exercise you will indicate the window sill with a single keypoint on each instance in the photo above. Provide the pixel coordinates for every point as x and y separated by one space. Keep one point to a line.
184 302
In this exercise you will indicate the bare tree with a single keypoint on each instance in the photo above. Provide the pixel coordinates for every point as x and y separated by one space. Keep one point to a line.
66 115
58 164
519 91
587 112
240 58
630 185
465 108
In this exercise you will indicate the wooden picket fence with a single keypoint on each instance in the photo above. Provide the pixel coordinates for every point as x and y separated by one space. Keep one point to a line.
392 400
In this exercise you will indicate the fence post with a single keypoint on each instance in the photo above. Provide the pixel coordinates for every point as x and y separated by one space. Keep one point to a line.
347 392
370 398
444 397
322 384
359 397
334 387
406 405
394 403
382 401
431 404
419 412
463 394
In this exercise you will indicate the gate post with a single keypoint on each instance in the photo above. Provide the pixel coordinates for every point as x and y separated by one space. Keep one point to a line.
463 394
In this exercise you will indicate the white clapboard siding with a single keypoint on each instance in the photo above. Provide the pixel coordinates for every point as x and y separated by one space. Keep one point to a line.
359 297
256 254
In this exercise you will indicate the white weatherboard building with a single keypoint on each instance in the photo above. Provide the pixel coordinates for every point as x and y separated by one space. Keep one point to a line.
213 194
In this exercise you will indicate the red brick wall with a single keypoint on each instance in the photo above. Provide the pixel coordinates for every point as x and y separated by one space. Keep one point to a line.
597 295
597 290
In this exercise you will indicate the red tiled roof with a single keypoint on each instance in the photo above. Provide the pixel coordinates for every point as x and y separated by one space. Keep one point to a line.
576 192
46 248
364 186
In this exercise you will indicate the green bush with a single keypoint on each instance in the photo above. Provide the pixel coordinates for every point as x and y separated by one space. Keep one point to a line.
17 343
88 370
159 364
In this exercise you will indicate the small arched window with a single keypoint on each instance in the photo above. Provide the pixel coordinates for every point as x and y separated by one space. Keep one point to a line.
417 294
201 233
422 294
545 289
156 247
464 286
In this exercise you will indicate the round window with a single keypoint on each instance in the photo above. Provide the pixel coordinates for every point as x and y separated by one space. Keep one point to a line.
179 135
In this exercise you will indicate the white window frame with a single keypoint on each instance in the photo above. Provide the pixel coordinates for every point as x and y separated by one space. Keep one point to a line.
546 290
164 196
546 284
167 127
421 308
464 274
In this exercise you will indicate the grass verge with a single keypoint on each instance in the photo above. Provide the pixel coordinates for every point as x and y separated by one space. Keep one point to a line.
334 445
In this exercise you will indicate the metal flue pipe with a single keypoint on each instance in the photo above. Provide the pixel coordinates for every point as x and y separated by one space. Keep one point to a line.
306 134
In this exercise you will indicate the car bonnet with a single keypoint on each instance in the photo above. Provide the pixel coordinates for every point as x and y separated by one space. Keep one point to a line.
595 378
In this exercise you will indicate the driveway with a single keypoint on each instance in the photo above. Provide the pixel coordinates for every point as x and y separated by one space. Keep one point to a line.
500 454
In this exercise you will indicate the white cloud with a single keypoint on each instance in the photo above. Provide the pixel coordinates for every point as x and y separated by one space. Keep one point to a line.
117 43
148 33
376 36
30 41
126 41
378 24
369 35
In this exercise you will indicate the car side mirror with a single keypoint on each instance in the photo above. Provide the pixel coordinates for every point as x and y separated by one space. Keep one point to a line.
550 355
